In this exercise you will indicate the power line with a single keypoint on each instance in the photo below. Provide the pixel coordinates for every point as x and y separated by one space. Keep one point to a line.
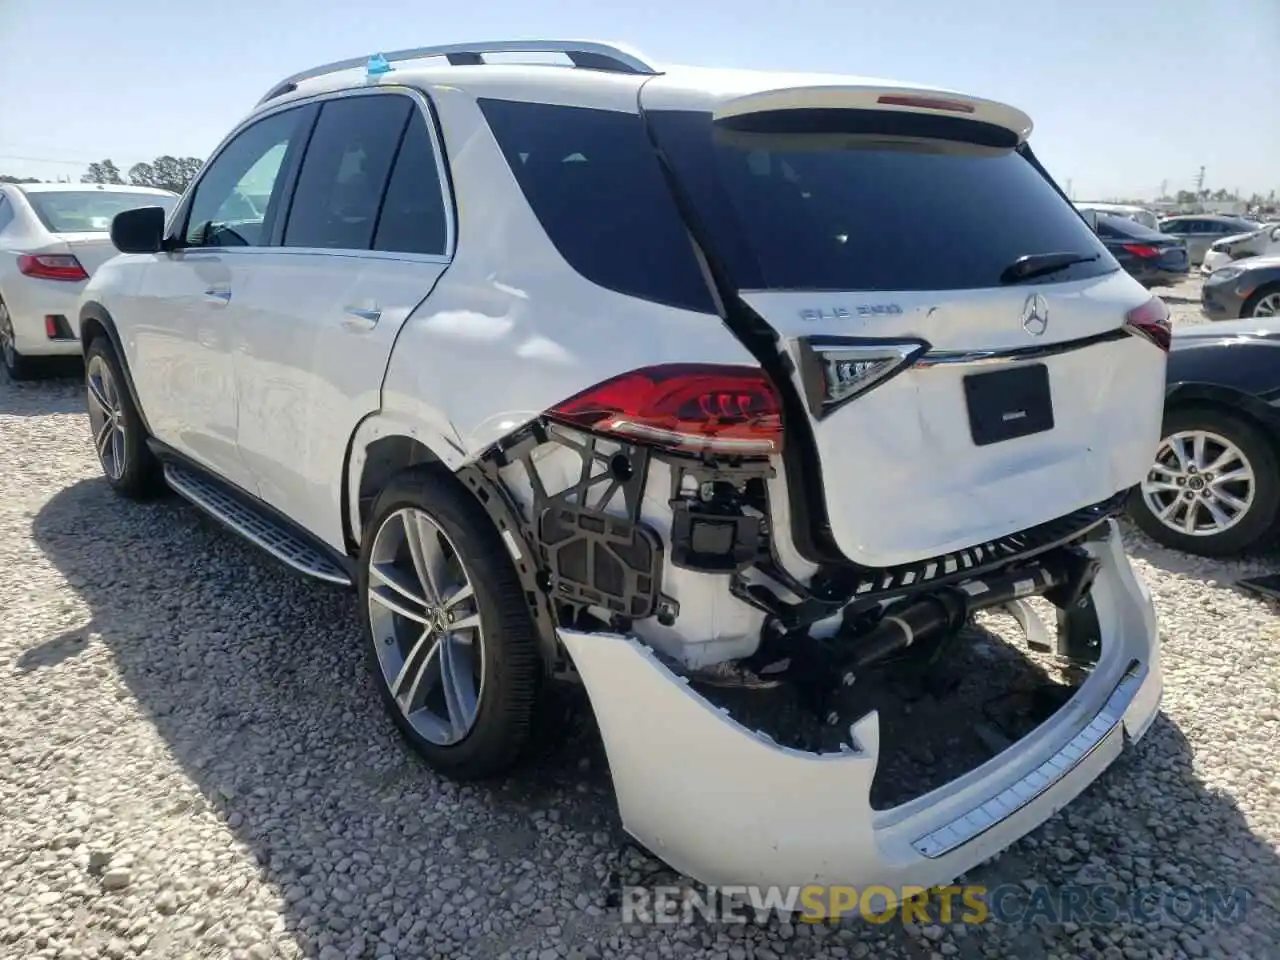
69 163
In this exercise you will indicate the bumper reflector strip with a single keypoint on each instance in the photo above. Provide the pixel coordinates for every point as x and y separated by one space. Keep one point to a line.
987 814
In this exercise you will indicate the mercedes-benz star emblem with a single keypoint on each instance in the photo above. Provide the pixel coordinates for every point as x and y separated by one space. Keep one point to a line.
1035 315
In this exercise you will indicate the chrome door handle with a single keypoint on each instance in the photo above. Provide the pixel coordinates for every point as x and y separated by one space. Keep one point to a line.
362 318
218 294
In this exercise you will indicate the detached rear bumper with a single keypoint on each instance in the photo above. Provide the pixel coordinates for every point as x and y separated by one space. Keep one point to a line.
729 806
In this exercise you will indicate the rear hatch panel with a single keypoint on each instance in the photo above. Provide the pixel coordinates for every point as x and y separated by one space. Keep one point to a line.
842 222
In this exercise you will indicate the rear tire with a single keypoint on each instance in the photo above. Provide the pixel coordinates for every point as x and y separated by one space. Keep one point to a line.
116 429
454 653
1250 503
15 364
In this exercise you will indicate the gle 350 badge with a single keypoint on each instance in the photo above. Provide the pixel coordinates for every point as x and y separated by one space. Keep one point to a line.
864 310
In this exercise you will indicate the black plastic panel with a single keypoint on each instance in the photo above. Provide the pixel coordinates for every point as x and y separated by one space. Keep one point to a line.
601 560
1008 404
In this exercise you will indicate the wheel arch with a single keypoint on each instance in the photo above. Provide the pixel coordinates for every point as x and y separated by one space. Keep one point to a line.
1229 400
95 321
1264 288
381 446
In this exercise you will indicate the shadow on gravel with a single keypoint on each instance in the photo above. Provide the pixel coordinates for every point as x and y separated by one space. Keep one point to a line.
256 681
59 390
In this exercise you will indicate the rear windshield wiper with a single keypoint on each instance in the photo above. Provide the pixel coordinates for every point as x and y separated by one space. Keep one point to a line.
1040 264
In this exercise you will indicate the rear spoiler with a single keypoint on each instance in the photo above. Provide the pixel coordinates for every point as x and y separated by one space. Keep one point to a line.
914 100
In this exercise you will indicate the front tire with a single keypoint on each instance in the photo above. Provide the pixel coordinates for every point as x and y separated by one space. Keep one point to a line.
1264 304
1214 489
116 429
451 644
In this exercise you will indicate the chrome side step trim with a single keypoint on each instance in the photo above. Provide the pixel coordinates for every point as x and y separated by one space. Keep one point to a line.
258 529
1106 724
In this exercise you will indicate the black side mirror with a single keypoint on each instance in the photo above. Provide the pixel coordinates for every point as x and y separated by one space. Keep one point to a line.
138 231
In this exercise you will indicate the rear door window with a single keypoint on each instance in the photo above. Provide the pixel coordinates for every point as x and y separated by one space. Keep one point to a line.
592 179
413 217
826 200
344 172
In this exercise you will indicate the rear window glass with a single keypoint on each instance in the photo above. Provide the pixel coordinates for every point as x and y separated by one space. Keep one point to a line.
592 179
863 208
88 211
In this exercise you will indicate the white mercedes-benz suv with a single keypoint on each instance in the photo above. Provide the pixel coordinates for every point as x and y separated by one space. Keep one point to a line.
661 379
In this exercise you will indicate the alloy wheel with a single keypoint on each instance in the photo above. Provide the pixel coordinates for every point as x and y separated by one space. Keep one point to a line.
1200 485
106 417
426 627
1268 306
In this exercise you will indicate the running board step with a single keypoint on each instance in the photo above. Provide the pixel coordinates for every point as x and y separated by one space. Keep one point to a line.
259 529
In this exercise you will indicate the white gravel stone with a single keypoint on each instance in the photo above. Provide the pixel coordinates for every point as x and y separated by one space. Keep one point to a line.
193 763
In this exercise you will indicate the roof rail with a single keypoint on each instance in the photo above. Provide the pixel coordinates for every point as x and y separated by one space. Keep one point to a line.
584 54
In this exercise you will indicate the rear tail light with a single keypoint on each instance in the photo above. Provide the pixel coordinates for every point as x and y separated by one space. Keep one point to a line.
925 103
51 266
1151 322
702 408
836 370
1144 250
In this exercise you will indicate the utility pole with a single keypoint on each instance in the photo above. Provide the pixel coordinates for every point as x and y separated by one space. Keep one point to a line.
1200 180
1164 189
1070 194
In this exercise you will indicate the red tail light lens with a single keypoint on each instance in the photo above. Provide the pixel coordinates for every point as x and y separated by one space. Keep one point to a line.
704 408
51 266
1151 321
1146 251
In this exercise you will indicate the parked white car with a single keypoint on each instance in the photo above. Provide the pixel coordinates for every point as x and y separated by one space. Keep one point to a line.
1139 214
53 236
1263 242
561 411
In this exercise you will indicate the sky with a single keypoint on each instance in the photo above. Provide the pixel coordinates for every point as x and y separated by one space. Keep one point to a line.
1127 96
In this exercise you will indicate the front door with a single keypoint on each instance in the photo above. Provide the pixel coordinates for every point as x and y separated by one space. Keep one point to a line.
366 239
187 303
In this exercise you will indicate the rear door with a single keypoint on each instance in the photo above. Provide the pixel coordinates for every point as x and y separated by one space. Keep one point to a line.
950 401
368 234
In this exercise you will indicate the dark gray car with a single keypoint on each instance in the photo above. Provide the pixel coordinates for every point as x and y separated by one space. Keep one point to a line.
1247 288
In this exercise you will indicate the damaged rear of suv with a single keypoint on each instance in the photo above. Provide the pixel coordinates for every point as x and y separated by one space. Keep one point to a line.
730 383
955 386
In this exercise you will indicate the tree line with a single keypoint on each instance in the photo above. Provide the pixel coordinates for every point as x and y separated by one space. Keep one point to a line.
167 173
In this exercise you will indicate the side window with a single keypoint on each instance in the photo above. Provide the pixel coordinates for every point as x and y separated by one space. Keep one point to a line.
413 218
6 212
344 172
591 178
232 200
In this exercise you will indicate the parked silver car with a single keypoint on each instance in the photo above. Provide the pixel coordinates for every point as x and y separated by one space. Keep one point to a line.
1201 231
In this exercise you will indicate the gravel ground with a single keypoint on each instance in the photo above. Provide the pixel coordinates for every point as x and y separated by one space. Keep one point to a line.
193 764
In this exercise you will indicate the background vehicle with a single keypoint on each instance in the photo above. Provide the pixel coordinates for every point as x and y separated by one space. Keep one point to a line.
1128 211
53 236
1200 231
1214 488
559 411
1261 242
1150 257
1245 288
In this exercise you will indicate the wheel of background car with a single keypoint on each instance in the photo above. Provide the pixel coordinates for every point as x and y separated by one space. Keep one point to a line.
1264 303
115 427
1214 488
15 364
451 644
